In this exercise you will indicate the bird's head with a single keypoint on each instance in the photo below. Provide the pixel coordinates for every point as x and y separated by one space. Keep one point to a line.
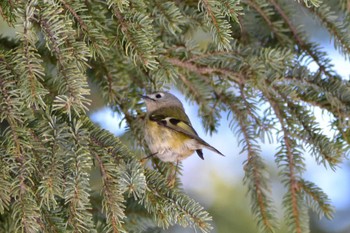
161 99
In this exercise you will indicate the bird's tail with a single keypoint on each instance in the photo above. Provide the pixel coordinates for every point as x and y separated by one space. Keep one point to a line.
214 149
206 145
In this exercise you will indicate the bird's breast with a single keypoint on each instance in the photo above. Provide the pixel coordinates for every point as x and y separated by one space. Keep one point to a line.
170 146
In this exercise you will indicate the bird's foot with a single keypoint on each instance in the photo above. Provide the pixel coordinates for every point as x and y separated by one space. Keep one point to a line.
172 177
143 160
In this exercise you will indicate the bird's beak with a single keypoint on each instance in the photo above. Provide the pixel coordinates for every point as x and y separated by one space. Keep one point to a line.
145 97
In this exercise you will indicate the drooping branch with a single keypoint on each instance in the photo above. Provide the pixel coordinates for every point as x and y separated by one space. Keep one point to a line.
292 183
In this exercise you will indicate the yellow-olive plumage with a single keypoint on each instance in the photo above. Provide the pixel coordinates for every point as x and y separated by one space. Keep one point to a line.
168 130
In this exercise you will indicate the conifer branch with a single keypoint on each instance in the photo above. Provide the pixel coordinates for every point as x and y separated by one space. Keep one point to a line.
76 192
315 3
203 70
53 221
275 27
25 210
51 149
332 89
209 54
220 29
95 37
231 9
317 199
71 58
186 212
5 180
255 165
113 198
288 22
110 90
255 174
293 181
259 194
75 15
28 62
322 147
6 10
344 6
192 88
201 92
135 43
53 136
253 168
5 184
10 107
300 42
331 99
115 93
126 165
170 17
337 27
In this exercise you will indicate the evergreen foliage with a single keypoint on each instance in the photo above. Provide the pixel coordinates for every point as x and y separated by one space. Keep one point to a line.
253 67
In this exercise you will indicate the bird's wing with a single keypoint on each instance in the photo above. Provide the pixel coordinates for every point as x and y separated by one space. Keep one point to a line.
175 124
181 126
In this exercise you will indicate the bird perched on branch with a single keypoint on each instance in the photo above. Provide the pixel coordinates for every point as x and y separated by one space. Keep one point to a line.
168 130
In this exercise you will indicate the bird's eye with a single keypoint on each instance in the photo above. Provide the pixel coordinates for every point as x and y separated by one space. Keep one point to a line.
158 96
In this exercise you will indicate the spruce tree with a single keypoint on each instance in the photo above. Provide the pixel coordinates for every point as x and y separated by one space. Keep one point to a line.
254 59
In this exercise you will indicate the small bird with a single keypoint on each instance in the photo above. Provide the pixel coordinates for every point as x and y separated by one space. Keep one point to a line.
168 130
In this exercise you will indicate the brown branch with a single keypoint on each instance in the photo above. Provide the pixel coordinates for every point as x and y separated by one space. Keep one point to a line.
298 39
205 70
340 111
4 16
106 184
294 188
326 207
83 26
20 160
248 109
265 17
212 16
52 36
288 22
251 155
57 51
125 30
75 15
112 95
28 58
109 82
193 89
11 120
206 55
330 26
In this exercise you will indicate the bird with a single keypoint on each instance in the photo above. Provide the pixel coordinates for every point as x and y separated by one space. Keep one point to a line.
168 130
